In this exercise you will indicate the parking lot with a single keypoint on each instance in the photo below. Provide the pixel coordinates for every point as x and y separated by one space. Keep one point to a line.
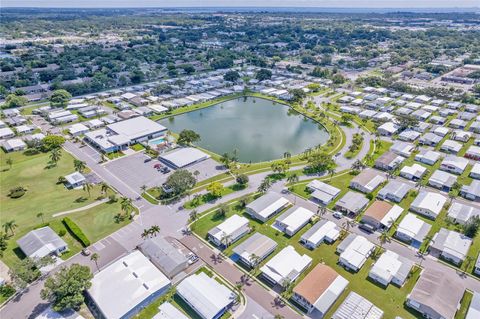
134 171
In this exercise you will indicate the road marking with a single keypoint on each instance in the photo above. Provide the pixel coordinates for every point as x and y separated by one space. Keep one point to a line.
98 246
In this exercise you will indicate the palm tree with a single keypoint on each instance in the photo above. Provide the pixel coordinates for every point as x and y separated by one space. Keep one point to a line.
79 165
104 188
392 223
9 162
321 210
143 188
265 185
383 238
10 225
226 240
145 234
347 224
193 215
55 155
287 155
196 173
225 160
126 204
154 230
95 258
293 178
87 187
331 171
467 263
40 215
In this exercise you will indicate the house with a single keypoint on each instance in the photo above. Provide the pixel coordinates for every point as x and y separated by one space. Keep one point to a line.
441 131
42 242
428 204
266 206
412 230
391 268
285 266
49 313
457 123
389 161
120 135
126 286
461 136
475 172
257 245
388 129
164 255
430 139
322 231
167 311
206 296
474 308
78 129
435 295
354 251
454 164
472 191
74 180
450 245
322 192
183 157
414 172
394 191
381 215
409 135
427 156
442 180
451 147
24 129
476 270
351 203
14 145
6 132
367 181
355 306
460 213
473 152
291 221
319 290
229 231
402 148
421 115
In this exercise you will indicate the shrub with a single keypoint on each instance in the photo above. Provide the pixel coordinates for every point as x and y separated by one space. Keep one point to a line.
112 198
17 192
62 232
76 231
242 179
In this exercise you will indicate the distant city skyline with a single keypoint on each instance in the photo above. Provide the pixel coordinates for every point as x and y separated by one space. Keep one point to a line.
243 3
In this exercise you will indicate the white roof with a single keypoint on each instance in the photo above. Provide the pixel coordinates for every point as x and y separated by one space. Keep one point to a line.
287 264
475 169
449 144
416 170
168 311
207 296
295 217
6 131
474 150
124 284
229 226
392 214
430 201
387 266
136 127
357 252
184 156
357 307
411 225
455 161
389 127
74 178
279 201
50 314
78 128
328 229
452 243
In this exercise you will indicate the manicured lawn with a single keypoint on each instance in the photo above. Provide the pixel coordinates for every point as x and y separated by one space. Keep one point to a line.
137 147
464 304
390 300
44 196
206 198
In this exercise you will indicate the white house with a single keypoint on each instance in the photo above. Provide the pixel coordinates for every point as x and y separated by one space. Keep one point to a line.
472 191
442 180
427 157
388 129
228 232
414 172
358 307
454 164
78 129
322 231
322 192
381 214
451 245
354 251
257 245
293 220
42 242
460 213
285 266
428 204
412 230
475 172
391 268
266 206
402 148
394 191
450 146
367 181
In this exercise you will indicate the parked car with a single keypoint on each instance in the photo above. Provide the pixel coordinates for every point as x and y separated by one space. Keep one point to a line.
337 215
148 159
165 170
86 252
367 228
192 258
158 166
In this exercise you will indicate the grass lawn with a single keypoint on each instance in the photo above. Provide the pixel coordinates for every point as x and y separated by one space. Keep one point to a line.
464 304
390 300
137 147
44 196
206 198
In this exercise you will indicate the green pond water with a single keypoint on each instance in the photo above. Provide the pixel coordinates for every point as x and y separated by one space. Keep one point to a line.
259 129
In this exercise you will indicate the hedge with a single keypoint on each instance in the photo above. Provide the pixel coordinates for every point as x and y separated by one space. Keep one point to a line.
76 231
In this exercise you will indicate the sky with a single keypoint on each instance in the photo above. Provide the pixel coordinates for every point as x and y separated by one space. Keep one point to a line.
243 3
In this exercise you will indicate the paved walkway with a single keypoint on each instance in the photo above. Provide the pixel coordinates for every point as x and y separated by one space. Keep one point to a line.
96 203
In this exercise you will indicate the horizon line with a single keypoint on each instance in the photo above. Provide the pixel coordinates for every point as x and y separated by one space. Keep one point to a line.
244 7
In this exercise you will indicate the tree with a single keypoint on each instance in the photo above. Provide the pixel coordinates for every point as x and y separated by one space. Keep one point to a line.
103 188
145 234
143 188
406 121
60 98
193 216
95 258
40 215
154 230
225 160
65 288
3 243
347 224
10 226
87 187
55 156
265 185
226 240
187 137
242 179
126 205
383 238
79 165
231 76
293 178
297 95
9 162
222 211
180 181
263 74
24 272
215 189
51 142
14 100
470 228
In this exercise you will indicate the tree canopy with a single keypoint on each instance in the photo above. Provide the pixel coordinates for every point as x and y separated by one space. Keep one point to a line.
60 98
187 137
180 181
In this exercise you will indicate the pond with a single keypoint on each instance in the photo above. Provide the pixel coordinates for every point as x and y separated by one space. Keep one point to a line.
259 129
